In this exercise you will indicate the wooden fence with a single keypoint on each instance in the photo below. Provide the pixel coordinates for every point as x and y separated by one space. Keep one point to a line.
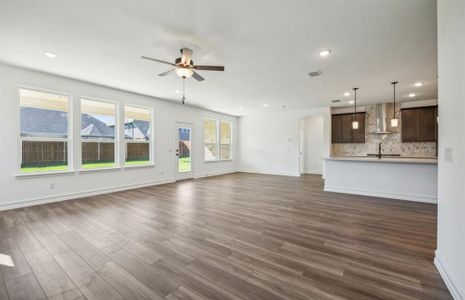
98 152
38 153
184 149
44 153
137 151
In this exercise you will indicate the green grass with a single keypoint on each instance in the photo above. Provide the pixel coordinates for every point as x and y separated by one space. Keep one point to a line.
184 164
138 162
98 165
44 169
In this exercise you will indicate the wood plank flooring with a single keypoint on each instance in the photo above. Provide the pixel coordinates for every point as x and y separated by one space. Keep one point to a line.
237 236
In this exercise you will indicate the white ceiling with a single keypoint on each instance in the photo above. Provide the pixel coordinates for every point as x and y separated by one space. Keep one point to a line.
267 47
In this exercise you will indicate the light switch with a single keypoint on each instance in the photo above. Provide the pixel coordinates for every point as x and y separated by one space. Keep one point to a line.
449 154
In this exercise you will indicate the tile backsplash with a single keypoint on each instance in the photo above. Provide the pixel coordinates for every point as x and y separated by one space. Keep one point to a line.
391 143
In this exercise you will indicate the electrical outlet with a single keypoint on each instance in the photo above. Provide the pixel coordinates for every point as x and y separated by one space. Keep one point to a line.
52 185
162 173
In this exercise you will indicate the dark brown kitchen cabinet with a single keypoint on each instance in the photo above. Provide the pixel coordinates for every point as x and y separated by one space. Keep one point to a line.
419 124
358 136
341 129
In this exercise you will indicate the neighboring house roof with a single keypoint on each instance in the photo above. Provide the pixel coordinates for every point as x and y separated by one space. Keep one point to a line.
98 128
144 127
36 122
43 122
137 129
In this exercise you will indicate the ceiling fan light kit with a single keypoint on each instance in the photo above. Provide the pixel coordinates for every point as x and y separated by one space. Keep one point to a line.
184 72
184 67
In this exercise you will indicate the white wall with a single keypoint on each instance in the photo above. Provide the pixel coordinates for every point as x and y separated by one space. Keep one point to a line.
269 143
16 191
313 148
450 254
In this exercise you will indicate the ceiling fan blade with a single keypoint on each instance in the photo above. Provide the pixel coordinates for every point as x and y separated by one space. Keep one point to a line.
166 73
197 76
157 60
209 68
186 56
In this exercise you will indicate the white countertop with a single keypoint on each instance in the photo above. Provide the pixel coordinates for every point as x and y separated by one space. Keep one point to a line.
411 160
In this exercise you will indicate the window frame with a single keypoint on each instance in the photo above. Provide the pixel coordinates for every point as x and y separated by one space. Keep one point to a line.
116 140
217 139
230 143
151 137
68 140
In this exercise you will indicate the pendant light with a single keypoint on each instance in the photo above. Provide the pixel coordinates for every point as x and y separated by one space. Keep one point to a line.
354 122
394 120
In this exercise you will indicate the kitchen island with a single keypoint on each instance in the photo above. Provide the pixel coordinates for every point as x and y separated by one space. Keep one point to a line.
405 178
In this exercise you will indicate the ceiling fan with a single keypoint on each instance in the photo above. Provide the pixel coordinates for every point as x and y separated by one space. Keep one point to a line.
184 67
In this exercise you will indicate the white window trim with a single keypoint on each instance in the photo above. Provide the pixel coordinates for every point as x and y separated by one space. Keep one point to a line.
151 139
230 142
117 164
217 140
20 139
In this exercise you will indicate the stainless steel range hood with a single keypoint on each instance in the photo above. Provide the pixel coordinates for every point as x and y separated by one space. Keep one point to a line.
381 117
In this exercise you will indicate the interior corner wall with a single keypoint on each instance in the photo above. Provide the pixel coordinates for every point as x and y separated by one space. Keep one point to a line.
18 191
450 254
269 143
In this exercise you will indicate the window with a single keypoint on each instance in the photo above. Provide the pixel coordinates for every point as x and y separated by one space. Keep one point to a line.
211 139
217 144
225 141
137 132
98 134
44 131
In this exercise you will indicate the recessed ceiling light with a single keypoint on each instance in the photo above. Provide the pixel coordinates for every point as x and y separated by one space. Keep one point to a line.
241 108
351 102
411 95
50 54
325 52
418 84
177 91
265 105
347 94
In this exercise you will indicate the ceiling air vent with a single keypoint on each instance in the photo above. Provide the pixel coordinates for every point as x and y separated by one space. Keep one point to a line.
315 73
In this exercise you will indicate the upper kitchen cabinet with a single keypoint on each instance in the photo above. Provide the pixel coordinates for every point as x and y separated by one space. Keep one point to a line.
419 124
341 128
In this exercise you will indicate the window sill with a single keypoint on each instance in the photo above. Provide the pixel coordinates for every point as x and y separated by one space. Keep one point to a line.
40 174
211 161
99 169
217 160
140 166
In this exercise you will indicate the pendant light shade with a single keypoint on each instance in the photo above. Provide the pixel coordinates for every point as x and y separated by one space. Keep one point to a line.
394 120
355 122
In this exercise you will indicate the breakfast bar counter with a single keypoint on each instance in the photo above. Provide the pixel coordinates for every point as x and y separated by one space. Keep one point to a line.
404 178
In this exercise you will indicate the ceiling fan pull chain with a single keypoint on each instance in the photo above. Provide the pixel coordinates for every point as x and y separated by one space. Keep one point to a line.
183 91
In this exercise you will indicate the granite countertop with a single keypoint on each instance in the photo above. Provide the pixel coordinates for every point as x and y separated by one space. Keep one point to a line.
387 159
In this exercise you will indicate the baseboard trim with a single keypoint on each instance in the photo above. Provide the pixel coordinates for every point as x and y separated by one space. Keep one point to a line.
408 197
209 174
265 172
88 193
455 288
